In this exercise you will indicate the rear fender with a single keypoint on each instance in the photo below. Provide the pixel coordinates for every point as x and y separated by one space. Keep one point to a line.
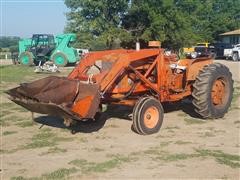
195 66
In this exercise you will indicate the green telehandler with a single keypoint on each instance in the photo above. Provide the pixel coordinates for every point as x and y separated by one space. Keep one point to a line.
44 47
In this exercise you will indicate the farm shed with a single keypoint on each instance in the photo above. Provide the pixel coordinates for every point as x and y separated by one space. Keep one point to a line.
232 37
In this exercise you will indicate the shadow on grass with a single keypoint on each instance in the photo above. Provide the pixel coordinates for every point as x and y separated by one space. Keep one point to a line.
185 105
112 111
90 125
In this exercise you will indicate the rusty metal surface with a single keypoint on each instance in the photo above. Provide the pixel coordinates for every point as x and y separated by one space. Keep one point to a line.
57 96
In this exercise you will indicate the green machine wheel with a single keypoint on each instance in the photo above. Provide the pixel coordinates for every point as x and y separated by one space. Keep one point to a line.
59 59
26 58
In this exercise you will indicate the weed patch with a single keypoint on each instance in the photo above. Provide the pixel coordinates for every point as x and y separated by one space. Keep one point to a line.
190 121
19 109
25 124
89 167
54 150
18 178
236 95
112 126
221 157
11 107
176 157
4 113
182 142
7 120
97 149
62 173
172 127
59 174
83 139
5 133
182 114
12 73
45 139
157 154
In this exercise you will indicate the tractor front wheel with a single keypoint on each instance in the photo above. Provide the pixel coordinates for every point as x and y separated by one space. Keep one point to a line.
147 116
60 59
212 91
26 58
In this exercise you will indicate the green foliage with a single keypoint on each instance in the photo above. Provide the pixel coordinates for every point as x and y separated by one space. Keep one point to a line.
190 121
89 167
221 157
9 42
95 22
11 73
62 173
46 139
15 73
5 133
106 24
54 150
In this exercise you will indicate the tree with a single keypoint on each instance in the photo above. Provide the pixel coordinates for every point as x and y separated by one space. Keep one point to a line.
159 20
209 18
104 24
96 21
8 41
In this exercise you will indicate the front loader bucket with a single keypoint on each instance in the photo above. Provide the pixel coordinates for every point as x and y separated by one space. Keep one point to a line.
58 96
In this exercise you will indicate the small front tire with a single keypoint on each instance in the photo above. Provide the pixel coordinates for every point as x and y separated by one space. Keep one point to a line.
148 116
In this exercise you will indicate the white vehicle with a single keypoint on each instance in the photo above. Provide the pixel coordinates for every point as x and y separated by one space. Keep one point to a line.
232 53
82 52
227 53
236 53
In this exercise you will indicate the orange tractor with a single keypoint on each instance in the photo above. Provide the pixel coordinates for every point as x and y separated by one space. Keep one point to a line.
142 79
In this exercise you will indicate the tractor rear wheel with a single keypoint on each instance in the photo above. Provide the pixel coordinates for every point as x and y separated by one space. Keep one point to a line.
147 116
26 58
212 91
59 59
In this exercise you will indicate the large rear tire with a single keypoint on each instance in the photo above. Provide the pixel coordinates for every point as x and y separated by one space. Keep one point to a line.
60 59
212 91
26 58
147 116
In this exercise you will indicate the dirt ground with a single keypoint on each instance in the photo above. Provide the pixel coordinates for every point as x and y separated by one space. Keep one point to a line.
185 147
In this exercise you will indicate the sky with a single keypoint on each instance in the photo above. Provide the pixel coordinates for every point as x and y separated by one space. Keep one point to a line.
26 17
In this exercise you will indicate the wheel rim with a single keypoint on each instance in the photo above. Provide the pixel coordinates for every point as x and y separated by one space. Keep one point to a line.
59 60
25 59
151 117
218 92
